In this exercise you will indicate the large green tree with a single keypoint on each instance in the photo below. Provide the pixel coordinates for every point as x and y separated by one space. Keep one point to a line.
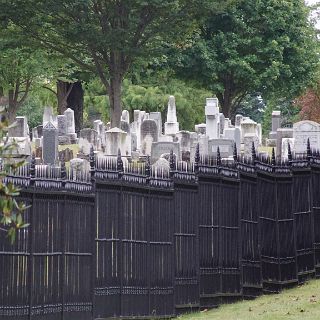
266 46
106 37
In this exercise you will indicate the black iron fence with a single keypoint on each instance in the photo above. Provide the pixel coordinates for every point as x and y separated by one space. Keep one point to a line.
131 240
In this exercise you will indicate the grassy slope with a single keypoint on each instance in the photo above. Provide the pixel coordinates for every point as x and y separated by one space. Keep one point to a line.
302 302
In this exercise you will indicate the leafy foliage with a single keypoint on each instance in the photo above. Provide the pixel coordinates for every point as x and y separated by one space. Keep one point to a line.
11 211
310 104
254 46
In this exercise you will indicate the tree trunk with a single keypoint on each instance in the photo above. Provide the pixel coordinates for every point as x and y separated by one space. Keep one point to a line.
12 107
75 102
62 89
115 100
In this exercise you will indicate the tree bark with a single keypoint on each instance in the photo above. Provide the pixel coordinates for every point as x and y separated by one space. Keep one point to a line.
115 100
62 89
75 102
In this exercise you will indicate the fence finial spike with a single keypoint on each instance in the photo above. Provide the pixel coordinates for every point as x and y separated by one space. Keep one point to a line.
148 168
289 153
119 161
308 150
235 152
253 152
218 157
273 158
63 167
172 161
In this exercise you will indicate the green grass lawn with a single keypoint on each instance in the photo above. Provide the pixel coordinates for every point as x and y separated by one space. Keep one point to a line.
302 302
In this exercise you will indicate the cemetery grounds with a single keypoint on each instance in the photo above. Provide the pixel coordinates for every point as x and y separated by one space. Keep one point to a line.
302 302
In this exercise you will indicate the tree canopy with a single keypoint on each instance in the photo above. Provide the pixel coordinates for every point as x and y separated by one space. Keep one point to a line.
253 46
106 37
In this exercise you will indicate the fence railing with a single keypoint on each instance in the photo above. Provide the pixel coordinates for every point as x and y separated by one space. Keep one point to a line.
131 240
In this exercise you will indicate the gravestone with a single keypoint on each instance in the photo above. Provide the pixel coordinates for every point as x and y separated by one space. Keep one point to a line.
19 128
62 125
71 131
66 155
281 134
235 135
276 120
224 123
171 126
48 116
50 143
248 126
200 128
225 147
212 118
304 130
160 148
115 139
248 139
284 147
149 134
156 116
238 120
125 116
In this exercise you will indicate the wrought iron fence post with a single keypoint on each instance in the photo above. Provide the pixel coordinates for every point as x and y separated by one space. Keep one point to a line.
30 232
148 169
309 153
253 153
273 159
289 154
235 153
197 159
218 157
119 164
172 164
63 172
92 162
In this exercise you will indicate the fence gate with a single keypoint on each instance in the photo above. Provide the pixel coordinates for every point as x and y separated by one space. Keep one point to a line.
277 232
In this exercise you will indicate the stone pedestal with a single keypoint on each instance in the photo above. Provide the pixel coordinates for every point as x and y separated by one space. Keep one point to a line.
212 118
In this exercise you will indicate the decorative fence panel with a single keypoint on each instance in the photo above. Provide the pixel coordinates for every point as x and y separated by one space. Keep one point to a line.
186 211
277 232
140 242
250 247
315 194
303 218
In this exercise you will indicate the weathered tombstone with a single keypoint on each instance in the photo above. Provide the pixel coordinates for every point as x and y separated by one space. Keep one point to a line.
248 126
161 167
160 148
77 166
200 128
35 134
125 116
20 128
71 132
304 130
88 138
149 134
62 125
233 134
116 139
276 120
50 143
248 139
48 116
284 147
223 123
238 120
225 147
40 131
156 116
171 126
281 134
212 118
66 154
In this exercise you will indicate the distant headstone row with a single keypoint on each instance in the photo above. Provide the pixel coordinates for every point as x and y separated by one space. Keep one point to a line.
147 136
